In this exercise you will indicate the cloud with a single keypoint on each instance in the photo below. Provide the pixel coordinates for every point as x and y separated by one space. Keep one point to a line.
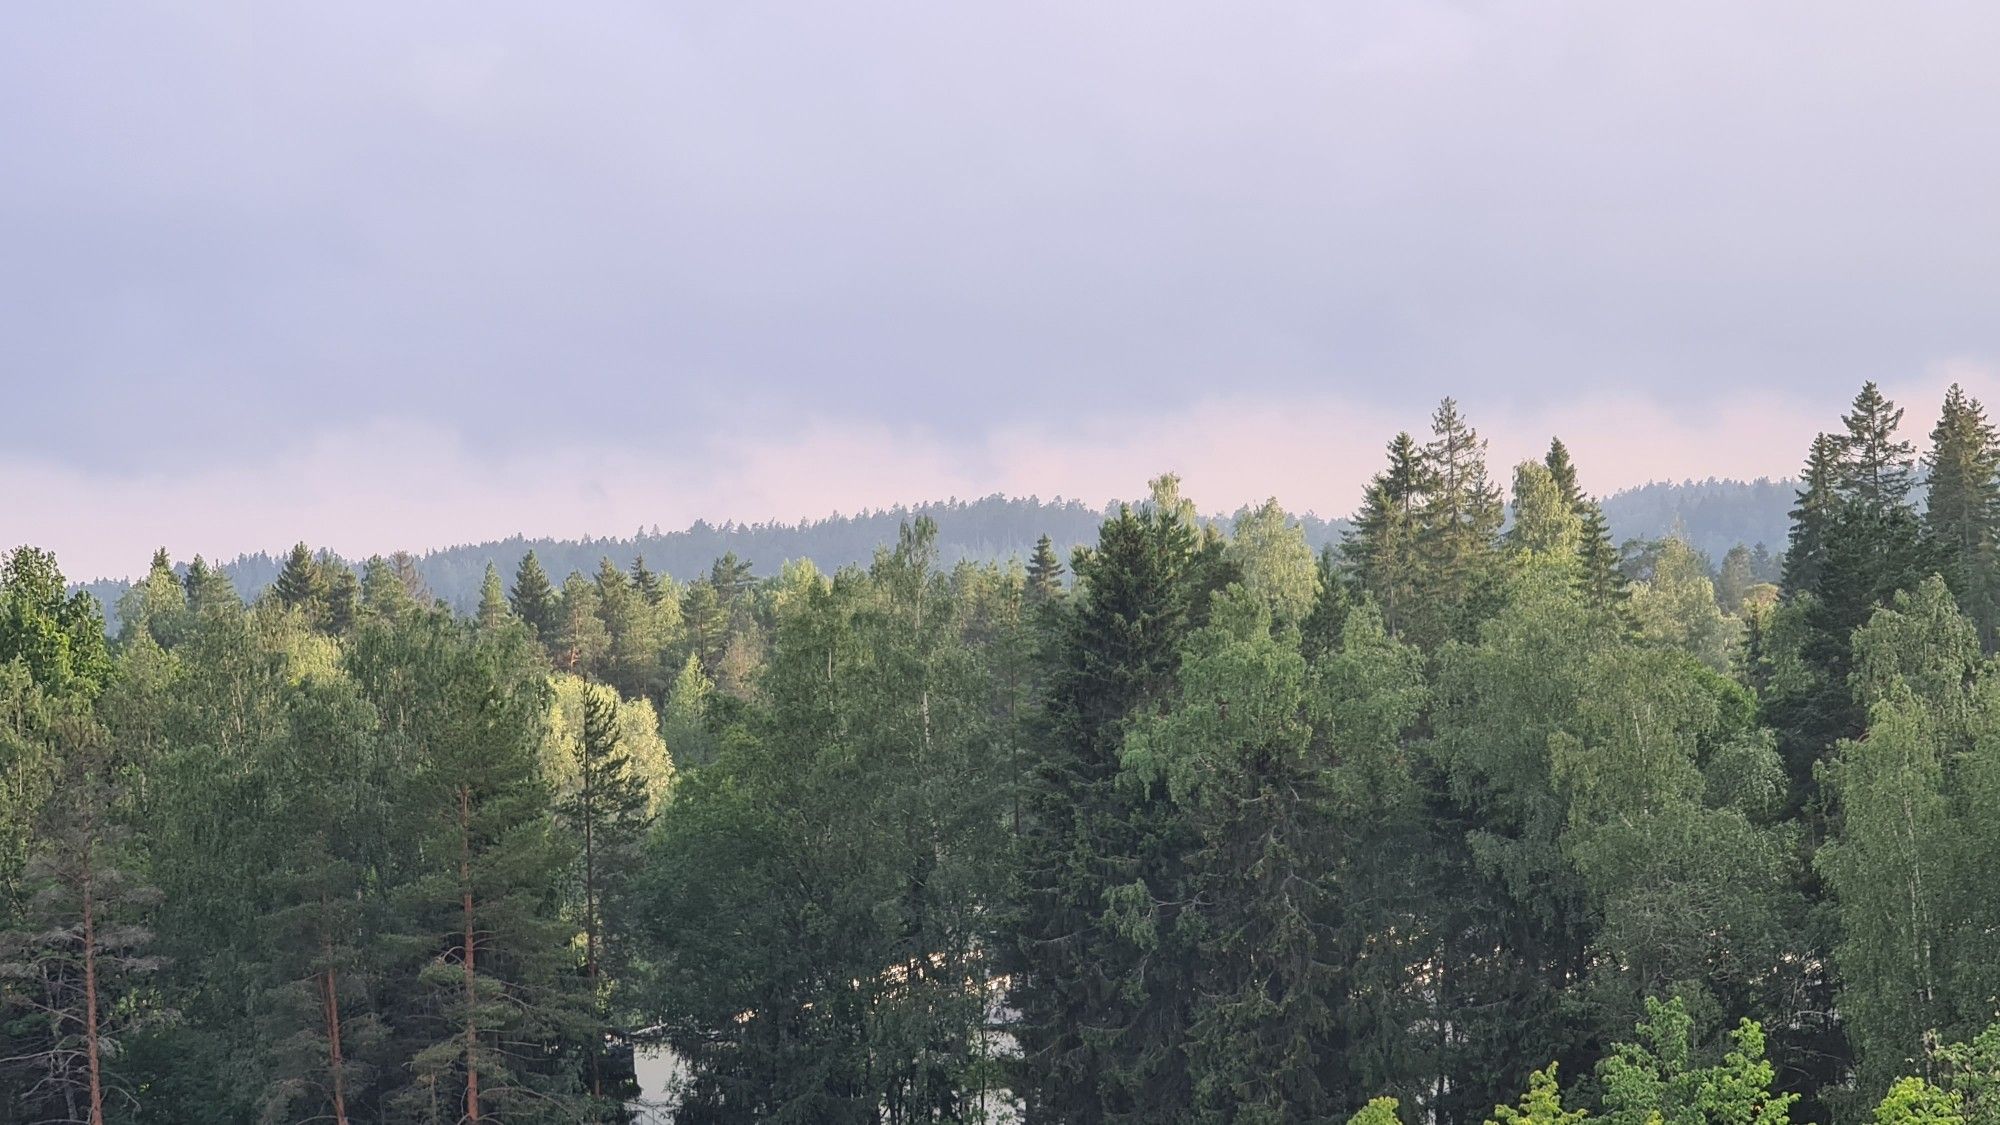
399 485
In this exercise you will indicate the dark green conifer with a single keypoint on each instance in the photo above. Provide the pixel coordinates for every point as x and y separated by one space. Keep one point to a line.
534 598
1963 507
1045 573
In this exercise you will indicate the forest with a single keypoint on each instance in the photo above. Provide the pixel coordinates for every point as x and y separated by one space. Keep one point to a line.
1474 814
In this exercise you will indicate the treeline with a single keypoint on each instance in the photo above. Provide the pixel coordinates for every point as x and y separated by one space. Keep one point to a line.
1711 515
1190 826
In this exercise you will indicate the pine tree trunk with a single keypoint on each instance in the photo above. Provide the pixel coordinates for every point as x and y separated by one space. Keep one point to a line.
90 994
471 984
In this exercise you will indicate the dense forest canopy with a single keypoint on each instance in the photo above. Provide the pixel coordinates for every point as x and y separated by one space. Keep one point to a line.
1712 515
1479 808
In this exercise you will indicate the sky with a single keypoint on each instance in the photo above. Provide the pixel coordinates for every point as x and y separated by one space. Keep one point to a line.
387 276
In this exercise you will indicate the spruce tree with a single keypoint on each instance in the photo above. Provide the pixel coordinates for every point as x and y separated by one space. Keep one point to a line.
1875 467
1963 508
300 584
1380 550
343 596
1102 1023
646 582
606 814
494 612
534 600
1812 516
1603 582
1458 525
1045 572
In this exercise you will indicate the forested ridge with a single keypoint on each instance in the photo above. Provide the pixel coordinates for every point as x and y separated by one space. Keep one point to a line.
1474 814
1713 515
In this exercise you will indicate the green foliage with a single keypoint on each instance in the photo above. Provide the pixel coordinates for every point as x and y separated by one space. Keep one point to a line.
1541 1105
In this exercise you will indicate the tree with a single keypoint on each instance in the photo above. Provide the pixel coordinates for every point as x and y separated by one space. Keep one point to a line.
1088 1017
607 812
1275 562
494 612
1913 1101
632 638
1963 506
1812 517
1545 521
1045 573
534 600
1677 607
1541 1105
581 641
1655 1079
300 585
1734 581
60 637
73 962
1601 578
1458 525
1875 469
1381 548
496 1023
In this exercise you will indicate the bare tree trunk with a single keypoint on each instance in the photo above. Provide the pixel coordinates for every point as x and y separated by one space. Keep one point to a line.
90 994
471 984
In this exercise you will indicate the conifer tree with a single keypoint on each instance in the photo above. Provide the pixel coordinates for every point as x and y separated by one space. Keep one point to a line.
300 585
494 612
76 958
646 582
581 641
156 606
1045 573
1875 468
1381 549
1812 516
1458 526
534 600
1603 582
1099 1040
1963 507
1545 522
343 596
607 815
632 638
1734 580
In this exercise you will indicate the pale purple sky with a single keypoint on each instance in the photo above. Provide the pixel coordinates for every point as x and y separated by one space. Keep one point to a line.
402 275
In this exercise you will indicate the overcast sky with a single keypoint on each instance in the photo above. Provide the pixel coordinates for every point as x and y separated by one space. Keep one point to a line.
385 276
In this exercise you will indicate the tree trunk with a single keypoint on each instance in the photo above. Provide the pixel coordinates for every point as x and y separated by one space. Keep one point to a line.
335 1063
590 928
90 994
471 984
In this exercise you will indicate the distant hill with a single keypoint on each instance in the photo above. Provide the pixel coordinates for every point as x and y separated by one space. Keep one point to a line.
1716 513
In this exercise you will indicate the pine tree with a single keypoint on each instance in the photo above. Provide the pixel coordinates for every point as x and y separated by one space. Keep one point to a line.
607 814
1381 549
534 600
79 949
1045 573
1963 508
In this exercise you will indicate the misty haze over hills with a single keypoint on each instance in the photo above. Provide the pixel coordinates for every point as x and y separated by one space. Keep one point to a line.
1713 515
